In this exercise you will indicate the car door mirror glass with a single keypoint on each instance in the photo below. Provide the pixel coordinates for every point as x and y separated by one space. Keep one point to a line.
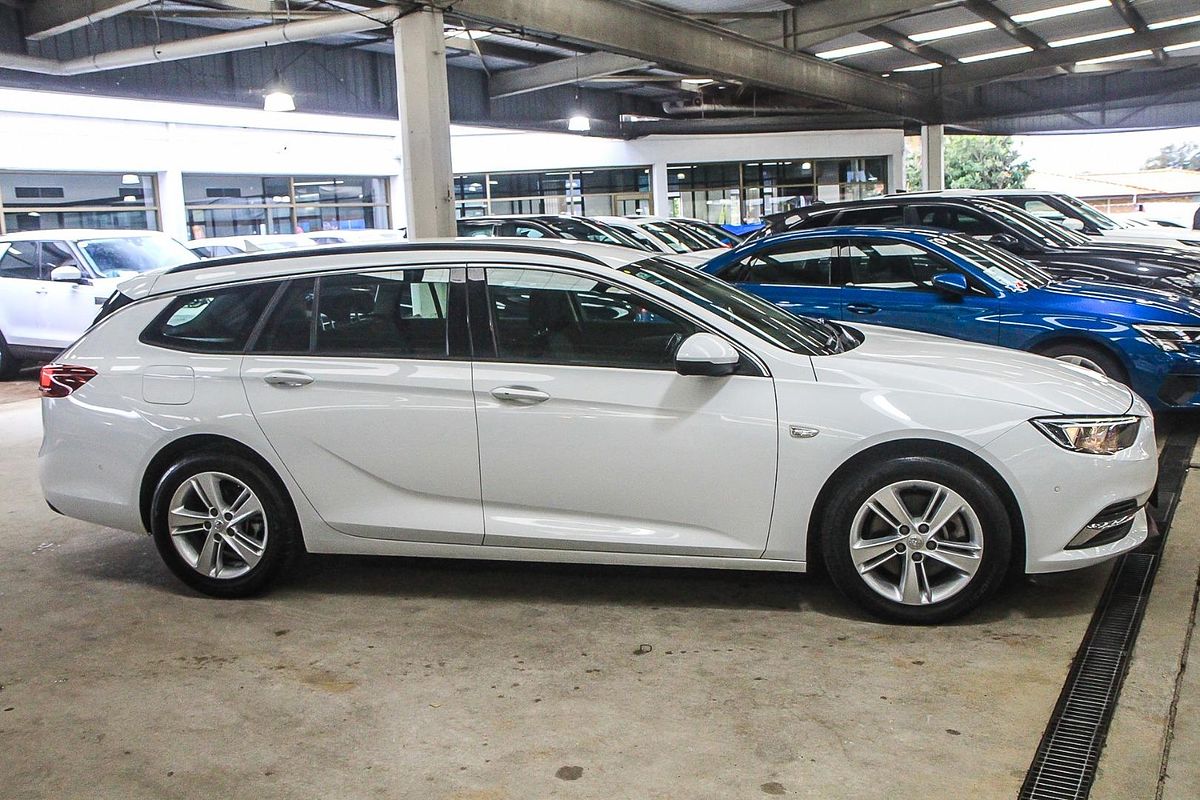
1006 241
1072 224
951 283
706 354
67 273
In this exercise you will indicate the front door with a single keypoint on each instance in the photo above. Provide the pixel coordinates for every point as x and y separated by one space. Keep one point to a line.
590 440
364 390
67 309
889 282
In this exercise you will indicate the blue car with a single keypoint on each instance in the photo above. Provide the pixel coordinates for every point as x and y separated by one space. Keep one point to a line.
950 284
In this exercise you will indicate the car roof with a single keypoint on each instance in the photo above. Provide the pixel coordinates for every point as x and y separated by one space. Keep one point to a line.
76 234
434 252
902 231
970 192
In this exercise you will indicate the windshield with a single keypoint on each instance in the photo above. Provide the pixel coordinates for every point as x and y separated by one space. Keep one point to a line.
760 317
693 240
1011 272
1087 213
626 238
1045 232
129 255
575 229
723 236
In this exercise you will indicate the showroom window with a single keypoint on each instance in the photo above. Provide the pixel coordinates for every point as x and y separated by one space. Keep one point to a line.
242 205
739 193
33 201
556 318
591 192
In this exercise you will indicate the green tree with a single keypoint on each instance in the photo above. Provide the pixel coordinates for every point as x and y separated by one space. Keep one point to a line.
976 162
1179 156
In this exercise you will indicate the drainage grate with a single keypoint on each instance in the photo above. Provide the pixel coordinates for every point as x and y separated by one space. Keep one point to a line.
1064 765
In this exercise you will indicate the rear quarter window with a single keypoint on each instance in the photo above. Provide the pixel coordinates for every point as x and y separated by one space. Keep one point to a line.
213 321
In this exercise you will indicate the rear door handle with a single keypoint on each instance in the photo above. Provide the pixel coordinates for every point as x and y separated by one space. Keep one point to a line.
522 395
862 308
288 378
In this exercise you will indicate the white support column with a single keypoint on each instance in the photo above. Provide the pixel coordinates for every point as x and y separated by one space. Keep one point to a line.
171 212
658 188
397 208
424 103
933 163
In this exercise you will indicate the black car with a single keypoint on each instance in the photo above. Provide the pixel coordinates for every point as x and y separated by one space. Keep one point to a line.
1062 253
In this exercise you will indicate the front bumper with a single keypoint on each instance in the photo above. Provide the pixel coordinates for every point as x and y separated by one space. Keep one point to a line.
1060 492
1166 380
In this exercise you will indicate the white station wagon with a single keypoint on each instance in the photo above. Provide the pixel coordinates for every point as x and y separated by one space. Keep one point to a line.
576 402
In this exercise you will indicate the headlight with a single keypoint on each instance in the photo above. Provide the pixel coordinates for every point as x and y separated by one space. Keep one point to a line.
1171 338
1101 436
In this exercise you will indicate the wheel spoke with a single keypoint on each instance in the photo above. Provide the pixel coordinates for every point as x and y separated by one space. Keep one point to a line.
886 503
868 554
246 548
244 508
206 561
914 583
942 507
208 488
963 557
183 520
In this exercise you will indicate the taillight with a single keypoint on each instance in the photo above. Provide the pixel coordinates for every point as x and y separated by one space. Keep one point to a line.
59 380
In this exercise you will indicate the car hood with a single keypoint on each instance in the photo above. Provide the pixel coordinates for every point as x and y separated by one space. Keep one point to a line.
1151 253
1156 235
1138 303
920 362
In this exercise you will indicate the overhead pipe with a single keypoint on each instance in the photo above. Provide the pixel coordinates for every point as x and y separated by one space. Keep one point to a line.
685 107
231 41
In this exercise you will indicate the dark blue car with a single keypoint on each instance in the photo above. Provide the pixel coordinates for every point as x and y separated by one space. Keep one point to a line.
950 284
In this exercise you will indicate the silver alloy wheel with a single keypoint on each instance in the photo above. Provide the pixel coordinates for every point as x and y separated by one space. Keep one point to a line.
916 557
1081 361
217 525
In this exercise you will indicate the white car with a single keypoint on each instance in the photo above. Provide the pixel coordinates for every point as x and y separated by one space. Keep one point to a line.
665 236
218 246
53 282
566 401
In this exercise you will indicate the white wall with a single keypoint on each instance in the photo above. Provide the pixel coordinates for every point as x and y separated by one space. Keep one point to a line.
82 133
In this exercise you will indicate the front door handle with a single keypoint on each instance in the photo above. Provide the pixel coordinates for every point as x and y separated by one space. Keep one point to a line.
862 308
288 378
522 395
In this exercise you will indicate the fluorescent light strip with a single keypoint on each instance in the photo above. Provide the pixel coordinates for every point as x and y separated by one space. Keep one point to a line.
918 67
957 30
995 54
1171 48
1091 37
1120 57
856 50
1171 23
1060 11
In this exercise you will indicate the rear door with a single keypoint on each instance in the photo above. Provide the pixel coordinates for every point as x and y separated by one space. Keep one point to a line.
362 383
889 282
797 276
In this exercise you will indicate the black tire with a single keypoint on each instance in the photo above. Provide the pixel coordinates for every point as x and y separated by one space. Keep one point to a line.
1105 362
993 531
9 366
282 531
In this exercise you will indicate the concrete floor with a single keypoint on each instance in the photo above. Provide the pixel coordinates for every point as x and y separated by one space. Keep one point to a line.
363 678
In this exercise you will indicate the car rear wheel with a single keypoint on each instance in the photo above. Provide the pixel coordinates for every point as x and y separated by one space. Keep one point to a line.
917 540
9 366
1088 357
222 524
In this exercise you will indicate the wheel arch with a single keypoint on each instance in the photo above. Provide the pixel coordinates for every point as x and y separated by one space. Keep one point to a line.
930 448
199 443
1060 337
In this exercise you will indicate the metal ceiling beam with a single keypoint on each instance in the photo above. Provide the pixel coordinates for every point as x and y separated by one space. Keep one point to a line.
644 31
985 10
898 40
562 72
823 20
1134 19
996 69
52 17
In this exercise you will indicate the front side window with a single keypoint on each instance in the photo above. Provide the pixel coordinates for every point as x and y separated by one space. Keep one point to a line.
807 263
552 317
890 264
55 255
953 218
212 321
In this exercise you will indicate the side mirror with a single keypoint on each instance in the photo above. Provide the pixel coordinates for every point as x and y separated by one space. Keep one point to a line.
706 354
1072 224
67 274
1006 241
951 283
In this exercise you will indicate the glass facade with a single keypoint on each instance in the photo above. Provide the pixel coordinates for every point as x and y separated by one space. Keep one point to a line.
239 205
31 201
741 193
589 192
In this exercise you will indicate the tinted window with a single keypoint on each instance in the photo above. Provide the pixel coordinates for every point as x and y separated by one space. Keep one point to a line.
952 218
551 317
215 321
886 215
806 263
398 314
888 264
289 329
20 261
1038 208
55 255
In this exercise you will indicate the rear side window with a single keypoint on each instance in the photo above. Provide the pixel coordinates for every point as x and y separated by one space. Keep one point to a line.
213 321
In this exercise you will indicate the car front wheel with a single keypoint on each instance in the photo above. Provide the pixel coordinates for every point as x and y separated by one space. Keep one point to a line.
917 540
222 524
